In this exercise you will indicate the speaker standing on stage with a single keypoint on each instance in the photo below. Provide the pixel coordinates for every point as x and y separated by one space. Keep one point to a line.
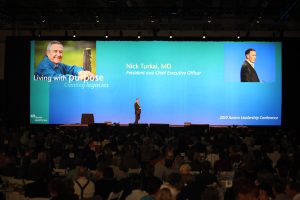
137 111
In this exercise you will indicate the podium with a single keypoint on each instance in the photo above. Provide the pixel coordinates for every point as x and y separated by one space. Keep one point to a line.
87 118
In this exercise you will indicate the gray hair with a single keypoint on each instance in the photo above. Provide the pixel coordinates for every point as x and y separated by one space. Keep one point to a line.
52 43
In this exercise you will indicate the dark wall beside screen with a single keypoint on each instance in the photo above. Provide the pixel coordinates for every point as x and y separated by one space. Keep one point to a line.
16 74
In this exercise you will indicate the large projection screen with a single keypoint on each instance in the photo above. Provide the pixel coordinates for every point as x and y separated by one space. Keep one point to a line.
175 81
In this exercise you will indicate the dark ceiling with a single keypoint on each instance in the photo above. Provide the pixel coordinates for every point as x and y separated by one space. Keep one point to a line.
265 15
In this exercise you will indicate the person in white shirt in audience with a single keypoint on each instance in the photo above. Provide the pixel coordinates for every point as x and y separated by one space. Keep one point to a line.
84 187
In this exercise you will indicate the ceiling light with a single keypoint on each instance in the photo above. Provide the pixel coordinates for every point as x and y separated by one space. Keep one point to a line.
97 19
152 19
259 19
209 19
43 19
174 11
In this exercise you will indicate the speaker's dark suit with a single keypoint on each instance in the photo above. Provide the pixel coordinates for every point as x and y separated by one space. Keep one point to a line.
137 110
248 73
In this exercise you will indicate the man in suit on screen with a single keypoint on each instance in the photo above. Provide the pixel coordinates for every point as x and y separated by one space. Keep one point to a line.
248 73
137 111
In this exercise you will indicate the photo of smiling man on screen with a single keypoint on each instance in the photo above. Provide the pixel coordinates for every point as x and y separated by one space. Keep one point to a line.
51 65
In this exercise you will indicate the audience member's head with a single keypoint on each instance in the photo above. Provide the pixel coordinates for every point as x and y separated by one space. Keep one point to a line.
136 182
60 189
210 193
175 180
265 191
245 189
164 194
169 157
185 169
108 173
153 185
42 157
293 188
279 186
82 171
